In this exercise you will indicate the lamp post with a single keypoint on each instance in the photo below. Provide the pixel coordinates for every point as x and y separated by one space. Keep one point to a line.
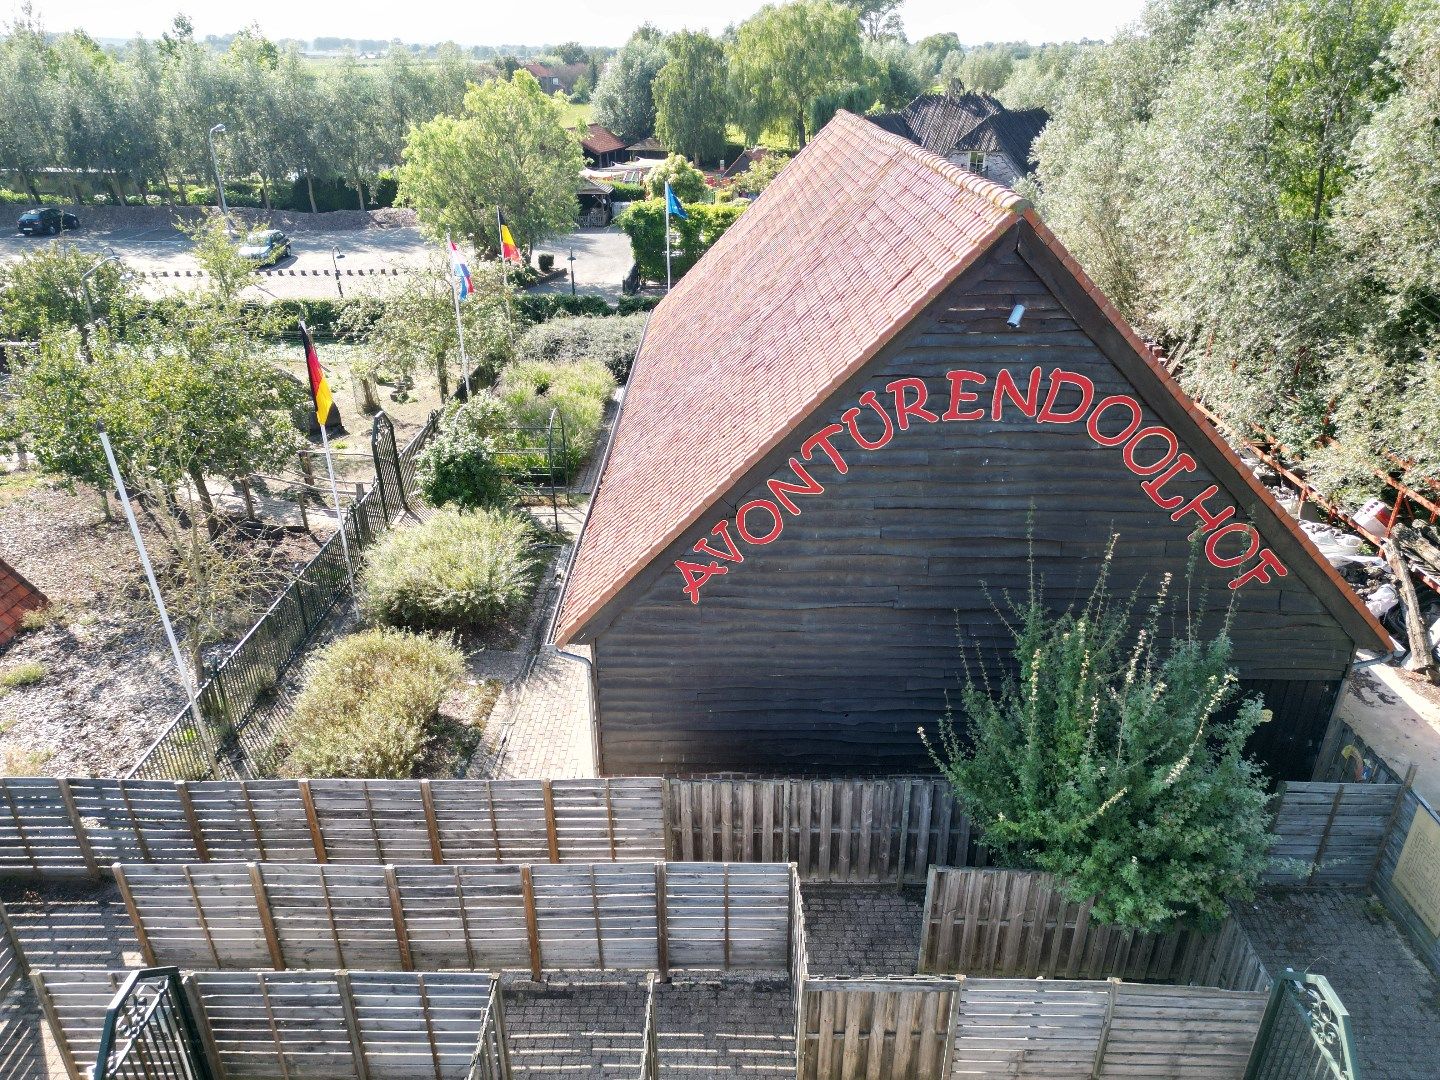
215 161
85 284
335 262
571 261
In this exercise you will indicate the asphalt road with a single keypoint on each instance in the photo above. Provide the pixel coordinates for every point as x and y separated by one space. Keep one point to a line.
162 256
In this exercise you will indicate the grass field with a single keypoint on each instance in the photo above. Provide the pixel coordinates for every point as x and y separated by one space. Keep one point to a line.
576 115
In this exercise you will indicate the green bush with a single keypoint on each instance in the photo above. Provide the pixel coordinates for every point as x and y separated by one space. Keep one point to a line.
547 262
612 341
459 568
575 390
1111 761
626 192
369 704
685 180
645 224
338 194
459 466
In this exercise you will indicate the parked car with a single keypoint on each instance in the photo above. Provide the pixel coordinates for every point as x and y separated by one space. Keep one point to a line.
265 247
45 220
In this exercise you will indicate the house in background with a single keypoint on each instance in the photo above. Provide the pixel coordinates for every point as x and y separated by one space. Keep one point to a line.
602 146
743 162
972 130
849 431
552 77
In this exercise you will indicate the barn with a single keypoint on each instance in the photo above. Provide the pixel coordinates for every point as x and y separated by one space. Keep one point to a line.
845 429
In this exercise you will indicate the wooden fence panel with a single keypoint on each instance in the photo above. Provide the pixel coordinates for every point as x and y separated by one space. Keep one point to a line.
876 1029
1328 834
1412 808
834 830
321 1025
38 834
252 820
1029 1028
604 915
1181 1032
1016 923
12 957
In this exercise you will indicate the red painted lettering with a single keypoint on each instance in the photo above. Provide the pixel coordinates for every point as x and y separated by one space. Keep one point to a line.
1212 545
1058 379
1196 506
770 508
1093 424
822 439
850 416
1260 571
696 574
960 396
782 490
1151 487
1005 386
731 552
1172 447
916 408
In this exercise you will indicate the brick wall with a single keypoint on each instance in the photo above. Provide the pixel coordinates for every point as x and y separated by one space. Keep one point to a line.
17 596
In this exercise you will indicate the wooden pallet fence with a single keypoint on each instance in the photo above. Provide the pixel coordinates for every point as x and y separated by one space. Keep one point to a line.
1411 808
317 1025
833 830
492 1049
12 957
799 956
880 1028
644 916
1329 833
1016 923
56 827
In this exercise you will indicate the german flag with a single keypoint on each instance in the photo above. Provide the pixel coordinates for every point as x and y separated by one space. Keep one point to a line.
319 387
508 251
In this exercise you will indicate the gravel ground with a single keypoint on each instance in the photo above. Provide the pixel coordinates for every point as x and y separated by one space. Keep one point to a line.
109 684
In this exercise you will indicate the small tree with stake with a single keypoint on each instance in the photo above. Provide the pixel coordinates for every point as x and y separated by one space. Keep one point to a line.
1108 761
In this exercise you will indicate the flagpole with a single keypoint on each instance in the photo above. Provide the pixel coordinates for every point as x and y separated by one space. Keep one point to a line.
459 328
504 273
334 487
667 238
180 665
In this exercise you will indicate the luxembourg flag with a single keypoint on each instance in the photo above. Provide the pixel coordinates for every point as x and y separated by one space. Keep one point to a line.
462 272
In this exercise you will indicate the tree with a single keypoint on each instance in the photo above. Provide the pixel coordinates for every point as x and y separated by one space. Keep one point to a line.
644 223
685 180
47 289
985 68
894 73
570 52
508 149
691 97
786 57
1107 760
878 18
758 176
623 100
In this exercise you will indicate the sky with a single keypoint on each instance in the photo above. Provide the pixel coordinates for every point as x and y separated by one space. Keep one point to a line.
548 22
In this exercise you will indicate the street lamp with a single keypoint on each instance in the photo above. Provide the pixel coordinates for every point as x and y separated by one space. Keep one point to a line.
215 161
85 283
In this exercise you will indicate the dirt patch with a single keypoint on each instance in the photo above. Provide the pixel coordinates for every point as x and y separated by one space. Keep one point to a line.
109 685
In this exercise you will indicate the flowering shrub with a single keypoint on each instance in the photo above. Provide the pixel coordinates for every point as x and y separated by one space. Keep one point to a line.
1111 761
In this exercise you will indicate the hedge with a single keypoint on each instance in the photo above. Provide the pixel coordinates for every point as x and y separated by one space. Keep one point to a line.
645 224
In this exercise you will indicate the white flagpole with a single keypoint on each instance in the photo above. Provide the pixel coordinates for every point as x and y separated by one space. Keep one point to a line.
667 238
339 514
459 329
180 666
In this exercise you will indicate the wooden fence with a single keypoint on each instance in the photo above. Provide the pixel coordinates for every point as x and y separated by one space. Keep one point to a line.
1330 834
834 830
314 1025
929 1028
646 916
12 956
1016 923
65 827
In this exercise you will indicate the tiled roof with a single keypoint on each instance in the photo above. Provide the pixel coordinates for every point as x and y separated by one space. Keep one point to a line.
17 596
949 123
801 291
601 140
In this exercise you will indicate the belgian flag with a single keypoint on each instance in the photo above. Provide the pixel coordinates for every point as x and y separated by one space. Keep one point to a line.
508 250
319 387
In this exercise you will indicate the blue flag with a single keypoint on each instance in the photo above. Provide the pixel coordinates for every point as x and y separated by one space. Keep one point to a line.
673 204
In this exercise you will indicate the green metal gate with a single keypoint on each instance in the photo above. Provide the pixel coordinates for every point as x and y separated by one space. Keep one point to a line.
1305 1033
150 1033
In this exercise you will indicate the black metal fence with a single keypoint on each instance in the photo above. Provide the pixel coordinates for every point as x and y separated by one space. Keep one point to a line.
243 703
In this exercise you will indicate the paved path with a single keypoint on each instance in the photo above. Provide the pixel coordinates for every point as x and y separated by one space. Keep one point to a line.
863 929
1344 934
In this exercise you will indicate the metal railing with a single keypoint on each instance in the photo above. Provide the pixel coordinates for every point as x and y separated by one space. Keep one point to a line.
150 1033
1305 1032
491 1060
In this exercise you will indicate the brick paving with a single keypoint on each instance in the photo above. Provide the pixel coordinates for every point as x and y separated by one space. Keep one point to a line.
540 727
863 929
708 1029
576 1027
1344 934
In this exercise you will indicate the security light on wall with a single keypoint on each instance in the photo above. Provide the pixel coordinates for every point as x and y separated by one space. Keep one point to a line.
1016 314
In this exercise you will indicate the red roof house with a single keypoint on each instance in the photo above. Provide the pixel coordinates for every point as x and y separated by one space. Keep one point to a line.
17 596
848 426
602 146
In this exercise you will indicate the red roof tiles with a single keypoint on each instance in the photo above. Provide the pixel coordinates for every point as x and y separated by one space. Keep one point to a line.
17 596
601 140
801 291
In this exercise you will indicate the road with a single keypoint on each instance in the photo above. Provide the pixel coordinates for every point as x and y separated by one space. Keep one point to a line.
365 258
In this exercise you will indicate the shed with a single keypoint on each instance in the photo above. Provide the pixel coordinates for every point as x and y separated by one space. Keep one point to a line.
844 430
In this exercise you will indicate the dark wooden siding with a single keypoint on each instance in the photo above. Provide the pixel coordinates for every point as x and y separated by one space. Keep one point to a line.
826 649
